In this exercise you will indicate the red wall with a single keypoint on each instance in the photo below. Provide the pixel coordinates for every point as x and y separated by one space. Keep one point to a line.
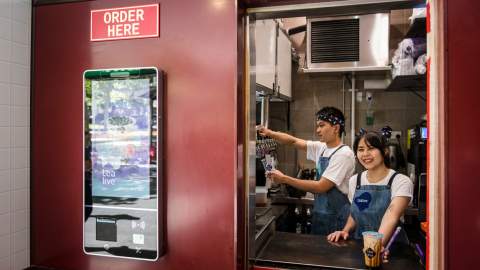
266 3
197 49
463 144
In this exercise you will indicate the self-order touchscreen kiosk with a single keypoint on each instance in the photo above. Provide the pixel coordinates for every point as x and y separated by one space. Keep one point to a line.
122 163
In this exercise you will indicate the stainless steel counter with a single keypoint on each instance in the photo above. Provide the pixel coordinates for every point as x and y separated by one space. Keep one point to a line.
265 224
281 199
301 251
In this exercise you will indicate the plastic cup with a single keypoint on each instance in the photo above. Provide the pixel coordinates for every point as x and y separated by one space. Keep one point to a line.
372 247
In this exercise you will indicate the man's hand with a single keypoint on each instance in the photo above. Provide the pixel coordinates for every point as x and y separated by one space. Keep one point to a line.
338 235
276 176
265 132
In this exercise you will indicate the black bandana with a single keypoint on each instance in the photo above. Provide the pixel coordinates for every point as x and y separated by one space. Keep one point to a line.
332 119
385 131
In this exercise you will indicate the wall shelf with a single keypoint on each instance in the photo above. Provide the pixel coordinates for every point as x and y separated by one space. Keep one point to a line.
414 83
408 83
417 29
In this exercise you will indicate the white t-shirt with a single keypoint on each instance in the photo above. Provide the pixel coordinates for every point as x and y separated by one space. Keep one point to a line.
341 165
401 185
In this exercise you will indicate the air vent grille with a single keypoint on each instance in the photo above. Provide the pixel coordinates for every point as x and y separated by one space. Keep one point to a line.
335 41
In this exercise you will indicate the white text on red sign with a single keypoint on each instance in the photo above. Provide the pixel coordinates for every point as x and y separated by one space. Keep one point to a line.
125 22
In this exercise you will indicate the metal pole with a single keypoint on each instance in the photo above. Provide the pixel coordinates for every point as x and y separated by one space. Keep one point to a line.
265 110
343 93
352 118
251 134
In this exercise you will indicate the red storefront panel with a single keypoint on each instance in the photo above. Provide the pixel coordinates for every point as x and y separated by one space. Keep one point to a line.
197 49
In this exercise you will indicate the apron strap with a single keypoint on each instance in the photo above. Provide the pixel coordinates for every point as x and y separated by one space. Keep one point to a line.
391 180
335 151
359 180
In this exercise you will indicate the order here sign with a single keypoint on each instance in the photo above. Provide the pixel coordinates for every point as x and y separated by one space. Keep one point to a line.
124 23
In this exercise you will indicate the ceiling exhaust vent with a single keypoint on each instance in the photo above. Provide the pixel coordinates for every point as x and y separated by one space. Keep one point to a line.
335 41
348 43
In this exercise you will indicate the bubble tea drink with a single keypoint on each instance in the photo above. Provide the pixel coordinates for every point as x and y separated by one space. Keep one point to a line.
372 247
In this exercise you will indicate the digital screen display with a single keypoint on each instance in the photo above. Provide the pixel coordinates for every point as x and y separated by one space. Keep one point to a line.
423 133
122 171
121 138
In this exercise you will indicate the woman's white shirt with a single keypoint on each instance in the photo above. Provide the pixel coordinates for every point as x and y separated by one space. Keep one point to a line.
401 185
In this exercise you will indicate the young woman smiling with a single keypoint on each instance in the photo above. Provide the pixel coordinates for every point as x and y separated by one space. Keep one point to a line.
378 196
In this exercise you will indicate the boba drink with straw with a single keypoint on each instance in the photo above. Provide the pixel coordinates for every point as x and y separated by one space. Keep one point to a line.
372 247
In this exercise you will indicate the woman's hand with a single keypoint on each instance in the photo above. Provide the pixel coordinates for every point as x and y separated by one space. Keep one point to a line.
385 253
276 176
338 235
263 131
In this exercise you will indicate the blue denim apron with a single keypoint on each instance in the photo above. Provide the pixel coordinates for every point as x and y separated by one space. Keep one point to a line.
369 205
330 209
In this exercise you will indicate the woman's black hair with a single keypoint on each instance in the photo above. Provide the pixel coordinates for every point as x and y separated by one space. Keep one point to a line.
376 140
334 116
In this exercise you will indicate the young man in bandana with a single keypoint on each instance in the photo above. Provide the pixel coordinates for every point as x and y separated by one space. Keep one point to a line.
335 164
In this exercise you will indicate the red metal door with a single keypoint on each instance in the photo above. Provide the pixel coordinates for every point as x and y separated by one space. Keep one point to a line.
463 185
197 49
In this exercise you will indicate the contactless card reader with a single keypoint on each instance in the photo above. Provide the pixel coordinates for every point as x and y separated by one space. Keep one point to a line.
123 163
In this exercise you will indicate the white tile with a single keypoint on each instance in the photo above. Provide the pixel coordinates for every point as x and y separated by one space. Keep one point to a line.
20 241
20 75
19 201
21 12
20 116
5 246
20 54
4 94
20 158
28 137
28 206
19 137
20 33
4 159
20 260
4 137
4 72
19 221
5 263
5 224
4 202
5 181
15 31
28 244
5 29
5 50
5 9
20 178
27 153
4 115
20 95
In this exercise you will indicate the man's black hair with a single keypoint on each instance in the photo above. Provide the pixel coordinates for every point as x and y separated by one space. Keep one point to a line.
336 113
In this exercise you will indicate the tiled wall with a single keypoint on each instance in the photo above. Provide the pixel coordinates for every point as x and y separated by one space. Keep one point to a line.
399 110
15 29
